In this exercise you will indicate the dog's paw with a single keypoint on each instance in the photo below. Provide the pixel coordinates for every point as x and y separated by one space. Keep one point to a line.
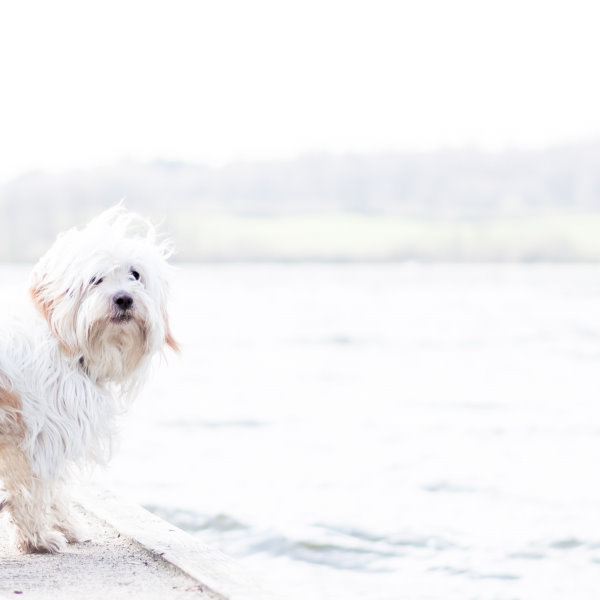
73 529
48 542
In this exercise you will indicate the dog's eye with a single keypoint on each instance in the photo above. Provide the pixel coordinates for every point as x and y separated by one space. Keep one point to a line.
96 280
134 274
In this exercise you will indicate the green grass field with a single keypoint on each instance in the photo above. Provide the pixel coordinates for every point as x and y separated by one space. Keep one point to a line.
382 238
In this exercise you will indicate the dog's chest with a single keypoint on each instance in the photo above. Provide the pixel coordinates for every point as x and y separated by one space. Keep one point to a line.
74 422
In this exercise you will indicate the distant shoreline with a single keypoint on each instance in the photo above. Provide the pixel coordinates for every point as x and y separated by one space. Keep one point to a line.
452 206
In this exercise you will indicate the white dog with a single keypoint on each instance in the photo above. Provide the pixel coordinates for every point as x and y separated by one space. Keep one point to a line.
101 295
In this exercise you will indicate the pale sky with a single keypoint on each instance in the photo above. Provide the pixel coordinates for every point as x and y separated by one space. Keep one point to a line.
91 83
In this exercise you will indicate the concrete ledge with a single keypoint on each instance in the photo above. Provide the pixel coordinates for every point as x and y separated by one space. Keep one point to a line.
218 574
131 554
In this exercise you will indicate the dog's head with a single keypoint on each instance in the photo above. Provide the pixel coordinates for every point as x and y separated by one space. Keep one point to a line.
103 291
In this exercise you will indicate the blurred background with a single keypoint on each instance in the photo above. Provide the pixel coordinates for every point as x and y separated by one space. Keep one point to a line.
387 226
306 131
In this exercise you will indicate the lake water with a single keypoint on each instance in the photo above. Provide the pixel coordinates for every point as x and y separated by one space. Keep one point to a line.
381 431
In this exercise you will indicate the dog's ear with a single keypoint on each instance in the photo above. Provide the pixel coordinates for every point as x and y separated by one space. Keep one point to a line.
46 305
169 339
172 343
40 300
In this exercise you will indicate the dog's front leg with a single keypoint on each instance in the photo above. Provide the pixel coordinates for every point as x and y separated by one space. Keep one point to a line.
29 500
66 520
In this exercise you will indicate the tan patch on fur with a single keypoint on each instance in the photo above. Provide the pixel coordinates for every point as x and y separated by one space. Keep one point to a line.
14 467
169 339
11 418
46 308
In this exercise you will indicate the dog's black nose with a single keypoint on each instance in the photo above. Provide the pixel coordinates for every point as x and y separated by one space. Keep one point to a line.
122 300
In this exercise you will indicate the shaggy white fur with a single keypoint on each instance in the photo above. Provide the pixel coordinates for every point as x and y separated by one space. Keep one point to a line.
101 295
